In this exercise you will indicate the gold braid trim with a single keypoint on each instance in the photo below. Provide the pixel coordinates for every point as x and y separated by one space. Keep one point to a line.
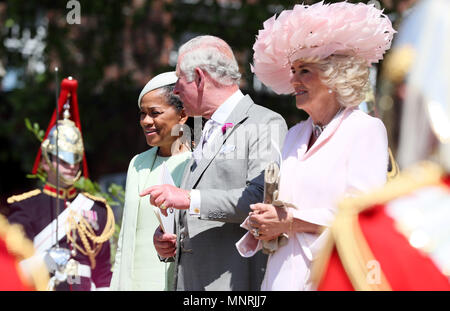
109 228
346 234
89 251
394 170
22 248
320 265
87 234
355 253
23 196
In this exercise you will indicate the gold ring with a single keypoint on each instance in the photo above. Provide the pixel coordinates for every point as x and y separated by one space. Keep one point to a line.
255 232
163 206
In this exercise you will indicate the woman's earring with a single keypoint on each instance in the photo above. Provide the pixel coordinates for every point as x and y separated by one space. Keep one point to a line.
330 91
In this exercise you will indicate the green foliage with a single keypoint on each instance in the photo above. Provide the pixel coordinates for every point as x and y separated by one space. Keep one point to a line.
35 129
40 174
117 192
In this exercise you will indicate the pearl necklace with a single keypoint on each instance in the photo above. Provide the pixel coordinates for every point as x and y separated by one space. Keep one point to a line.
318 129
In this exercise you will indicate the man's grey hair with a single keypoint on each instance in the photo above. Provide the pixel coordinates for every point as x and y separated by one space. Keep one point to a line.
171 98
212 55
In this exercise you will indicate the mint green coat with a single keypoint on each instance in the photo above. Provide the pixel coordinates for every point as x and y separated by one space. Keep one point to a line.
137 266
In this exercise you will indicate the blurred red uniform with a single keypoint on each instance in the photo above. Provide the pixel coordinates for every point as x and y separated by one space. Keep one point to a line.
393 238
14 247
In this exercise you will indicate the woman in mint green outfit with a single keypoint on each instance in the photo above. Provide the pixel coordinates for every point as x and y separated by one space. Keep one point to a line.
137 266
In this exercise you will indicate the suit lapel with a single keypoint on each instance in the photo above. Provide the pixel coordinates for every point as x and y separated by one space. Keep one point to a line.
302 138
187 173
237 116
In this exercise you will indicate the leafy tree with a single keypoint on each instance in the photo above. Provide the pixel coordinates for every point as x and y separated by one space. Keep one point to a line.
117 47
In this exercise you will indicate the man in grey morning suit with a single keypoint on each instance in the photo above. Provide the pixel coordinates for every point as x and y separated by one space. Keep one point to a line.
224 176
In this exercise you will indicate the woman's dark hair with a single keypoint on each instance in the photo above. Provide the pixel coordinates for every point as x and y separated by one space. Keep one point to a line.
175 101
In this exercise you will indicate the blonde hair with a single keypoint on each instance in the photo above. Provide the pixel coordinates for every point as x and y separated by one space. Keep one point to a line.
347 76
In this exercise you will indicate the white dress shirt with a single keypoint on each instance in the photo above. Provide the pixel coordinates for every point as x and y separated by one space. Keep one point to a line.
218 119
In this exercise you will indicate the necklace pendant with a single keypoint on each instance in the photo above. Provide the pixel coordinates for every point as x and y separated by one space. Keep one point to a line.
317 130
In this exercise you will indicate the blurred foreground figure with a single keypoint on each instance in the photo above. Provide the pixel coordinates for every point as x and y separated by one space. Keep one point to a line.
396 238
14 247
78 253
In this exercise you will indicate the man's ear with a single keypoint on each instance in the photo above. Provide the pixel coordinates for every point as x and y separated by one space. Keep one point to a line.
183 116
199 79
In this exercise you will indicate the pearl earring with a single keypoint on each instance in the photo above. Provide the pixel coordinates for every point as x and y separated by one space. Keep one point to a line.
330 91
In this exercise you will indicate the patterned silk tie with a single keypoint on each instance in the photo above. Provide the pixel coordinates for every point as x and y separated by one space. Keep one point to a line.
208 129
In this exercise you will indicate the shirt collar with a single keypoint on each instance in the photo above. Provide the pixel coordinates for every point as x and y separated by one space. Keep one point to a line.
224 111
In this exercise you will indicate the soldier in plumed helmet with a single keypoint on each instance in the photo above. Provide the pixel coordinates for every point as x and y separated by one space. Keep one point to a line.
70 229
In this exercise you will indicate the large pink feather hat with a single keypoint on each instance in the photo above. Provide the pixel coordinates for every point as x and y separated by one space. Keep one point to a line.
318 30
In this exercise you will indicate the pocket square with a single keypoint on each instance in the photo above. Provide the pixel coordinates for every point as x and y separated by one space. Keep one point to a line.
227 149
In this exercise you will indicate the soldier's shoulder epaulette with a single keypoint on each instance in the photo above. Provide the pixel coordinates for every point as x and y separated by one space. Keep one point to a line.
20 247
346 233
95 198
23 196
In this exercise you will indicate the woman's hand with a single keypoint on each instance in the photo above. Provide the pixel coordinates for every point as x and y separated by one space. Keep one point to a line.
270 221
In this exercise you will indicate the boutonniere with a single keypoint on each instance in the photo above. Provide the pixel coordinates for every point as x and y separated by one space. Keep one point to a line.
226 126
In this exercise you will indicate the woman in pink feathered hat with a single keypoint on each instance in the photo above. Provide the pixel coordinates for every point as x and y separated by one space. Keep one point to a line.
320 54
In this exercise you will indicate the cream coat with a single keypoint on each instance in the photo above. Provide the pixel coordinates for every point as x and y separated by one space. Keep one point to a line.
349 157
